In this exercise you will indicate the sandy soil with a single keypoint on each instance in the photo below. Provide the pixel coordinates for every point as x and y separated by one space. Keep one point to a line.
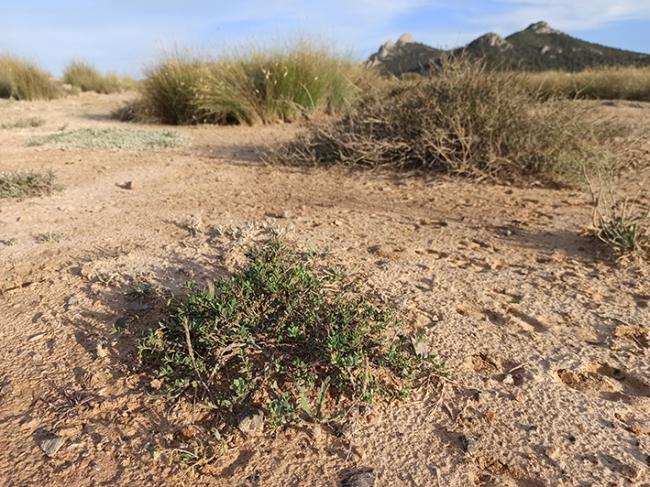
545 335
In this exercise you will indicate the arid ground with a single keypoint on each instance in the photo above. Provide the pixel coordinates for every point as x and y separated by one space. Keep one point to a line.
545 334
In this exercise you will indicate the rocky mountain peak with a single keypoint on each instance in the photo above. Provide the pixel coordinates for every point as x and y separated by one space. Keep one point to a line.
490 40
542 28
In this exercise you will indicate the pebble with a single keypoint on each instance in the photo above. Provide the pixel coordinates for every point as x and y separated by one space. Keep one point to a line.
359 478
102 350
470 443
122 323
51 444
72 300
5 389
251 422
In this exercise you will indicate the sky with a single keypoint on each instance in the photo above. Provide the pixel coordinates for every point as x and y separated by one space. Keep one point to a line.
127 36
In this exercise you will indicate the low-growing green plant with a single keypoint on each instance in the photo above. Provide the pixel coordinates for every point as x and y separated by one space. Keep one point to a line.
23 80
87 78
22 123
619 226
255 87
21 184
111 138
466 120
285 336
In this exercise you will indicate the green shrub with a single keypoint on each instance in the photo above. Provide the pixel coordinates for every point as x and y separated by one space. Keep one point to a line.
285 336
462 119
87 78
23 80
620 224
21 184
256 87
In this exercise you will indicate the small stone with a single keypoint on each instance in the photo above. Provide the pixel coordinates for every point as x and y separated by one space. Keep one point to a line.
155 384
251 422
359 478
51 444
122 323
36 337
127 185
72 300
509 380
102 350
470 443
5 389
286 214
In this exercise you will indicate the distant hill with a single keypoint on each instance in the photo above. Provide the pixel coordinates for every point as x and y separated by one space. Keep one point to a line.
537 48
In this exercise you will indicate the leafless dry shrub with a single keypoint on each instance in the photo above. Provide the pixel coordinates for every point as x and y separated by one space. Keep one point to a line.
466 120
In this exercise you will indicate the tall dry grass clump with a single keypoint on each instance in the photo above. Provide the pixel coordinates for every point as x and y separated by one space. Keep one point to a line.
23 80
461 119
85 77
169 91
262 86
611 83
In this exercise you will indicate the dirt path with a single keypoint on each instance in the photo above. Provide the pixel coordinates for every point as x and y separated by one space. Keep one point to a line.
546 337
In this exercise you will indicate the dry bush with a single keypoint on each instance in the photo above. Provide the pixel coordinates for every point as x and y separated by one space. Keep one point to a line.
23 80
254 86
466 120
21 184
612 83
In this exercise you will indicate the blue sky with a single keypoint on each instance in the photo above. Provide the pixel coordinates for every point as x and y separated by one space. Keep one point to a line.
127 35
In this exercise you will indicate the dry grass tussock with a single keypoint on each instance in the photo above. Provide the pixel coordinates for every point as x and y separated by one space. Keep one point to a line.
85 77
613 83
256 86
23 80
465 120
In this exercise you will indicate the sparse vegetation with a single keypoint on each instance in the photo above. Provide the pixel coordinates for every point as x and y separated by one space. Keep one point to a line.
23 80
49 237
21 184
22 123
85 77
613 83
257 87
111 138
284 335
464 120
621 224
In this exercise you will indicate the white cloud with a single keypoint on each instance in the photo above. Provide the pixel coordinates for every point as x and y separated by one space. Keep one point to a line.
573 15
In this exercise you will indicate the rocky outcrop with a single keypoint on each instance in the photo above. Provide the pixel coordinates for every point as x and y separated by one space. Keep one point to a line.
490 40
542 28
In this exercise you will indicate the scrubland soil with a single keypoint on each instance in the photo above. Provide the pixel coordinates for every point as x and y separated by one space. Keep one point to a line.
546 336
